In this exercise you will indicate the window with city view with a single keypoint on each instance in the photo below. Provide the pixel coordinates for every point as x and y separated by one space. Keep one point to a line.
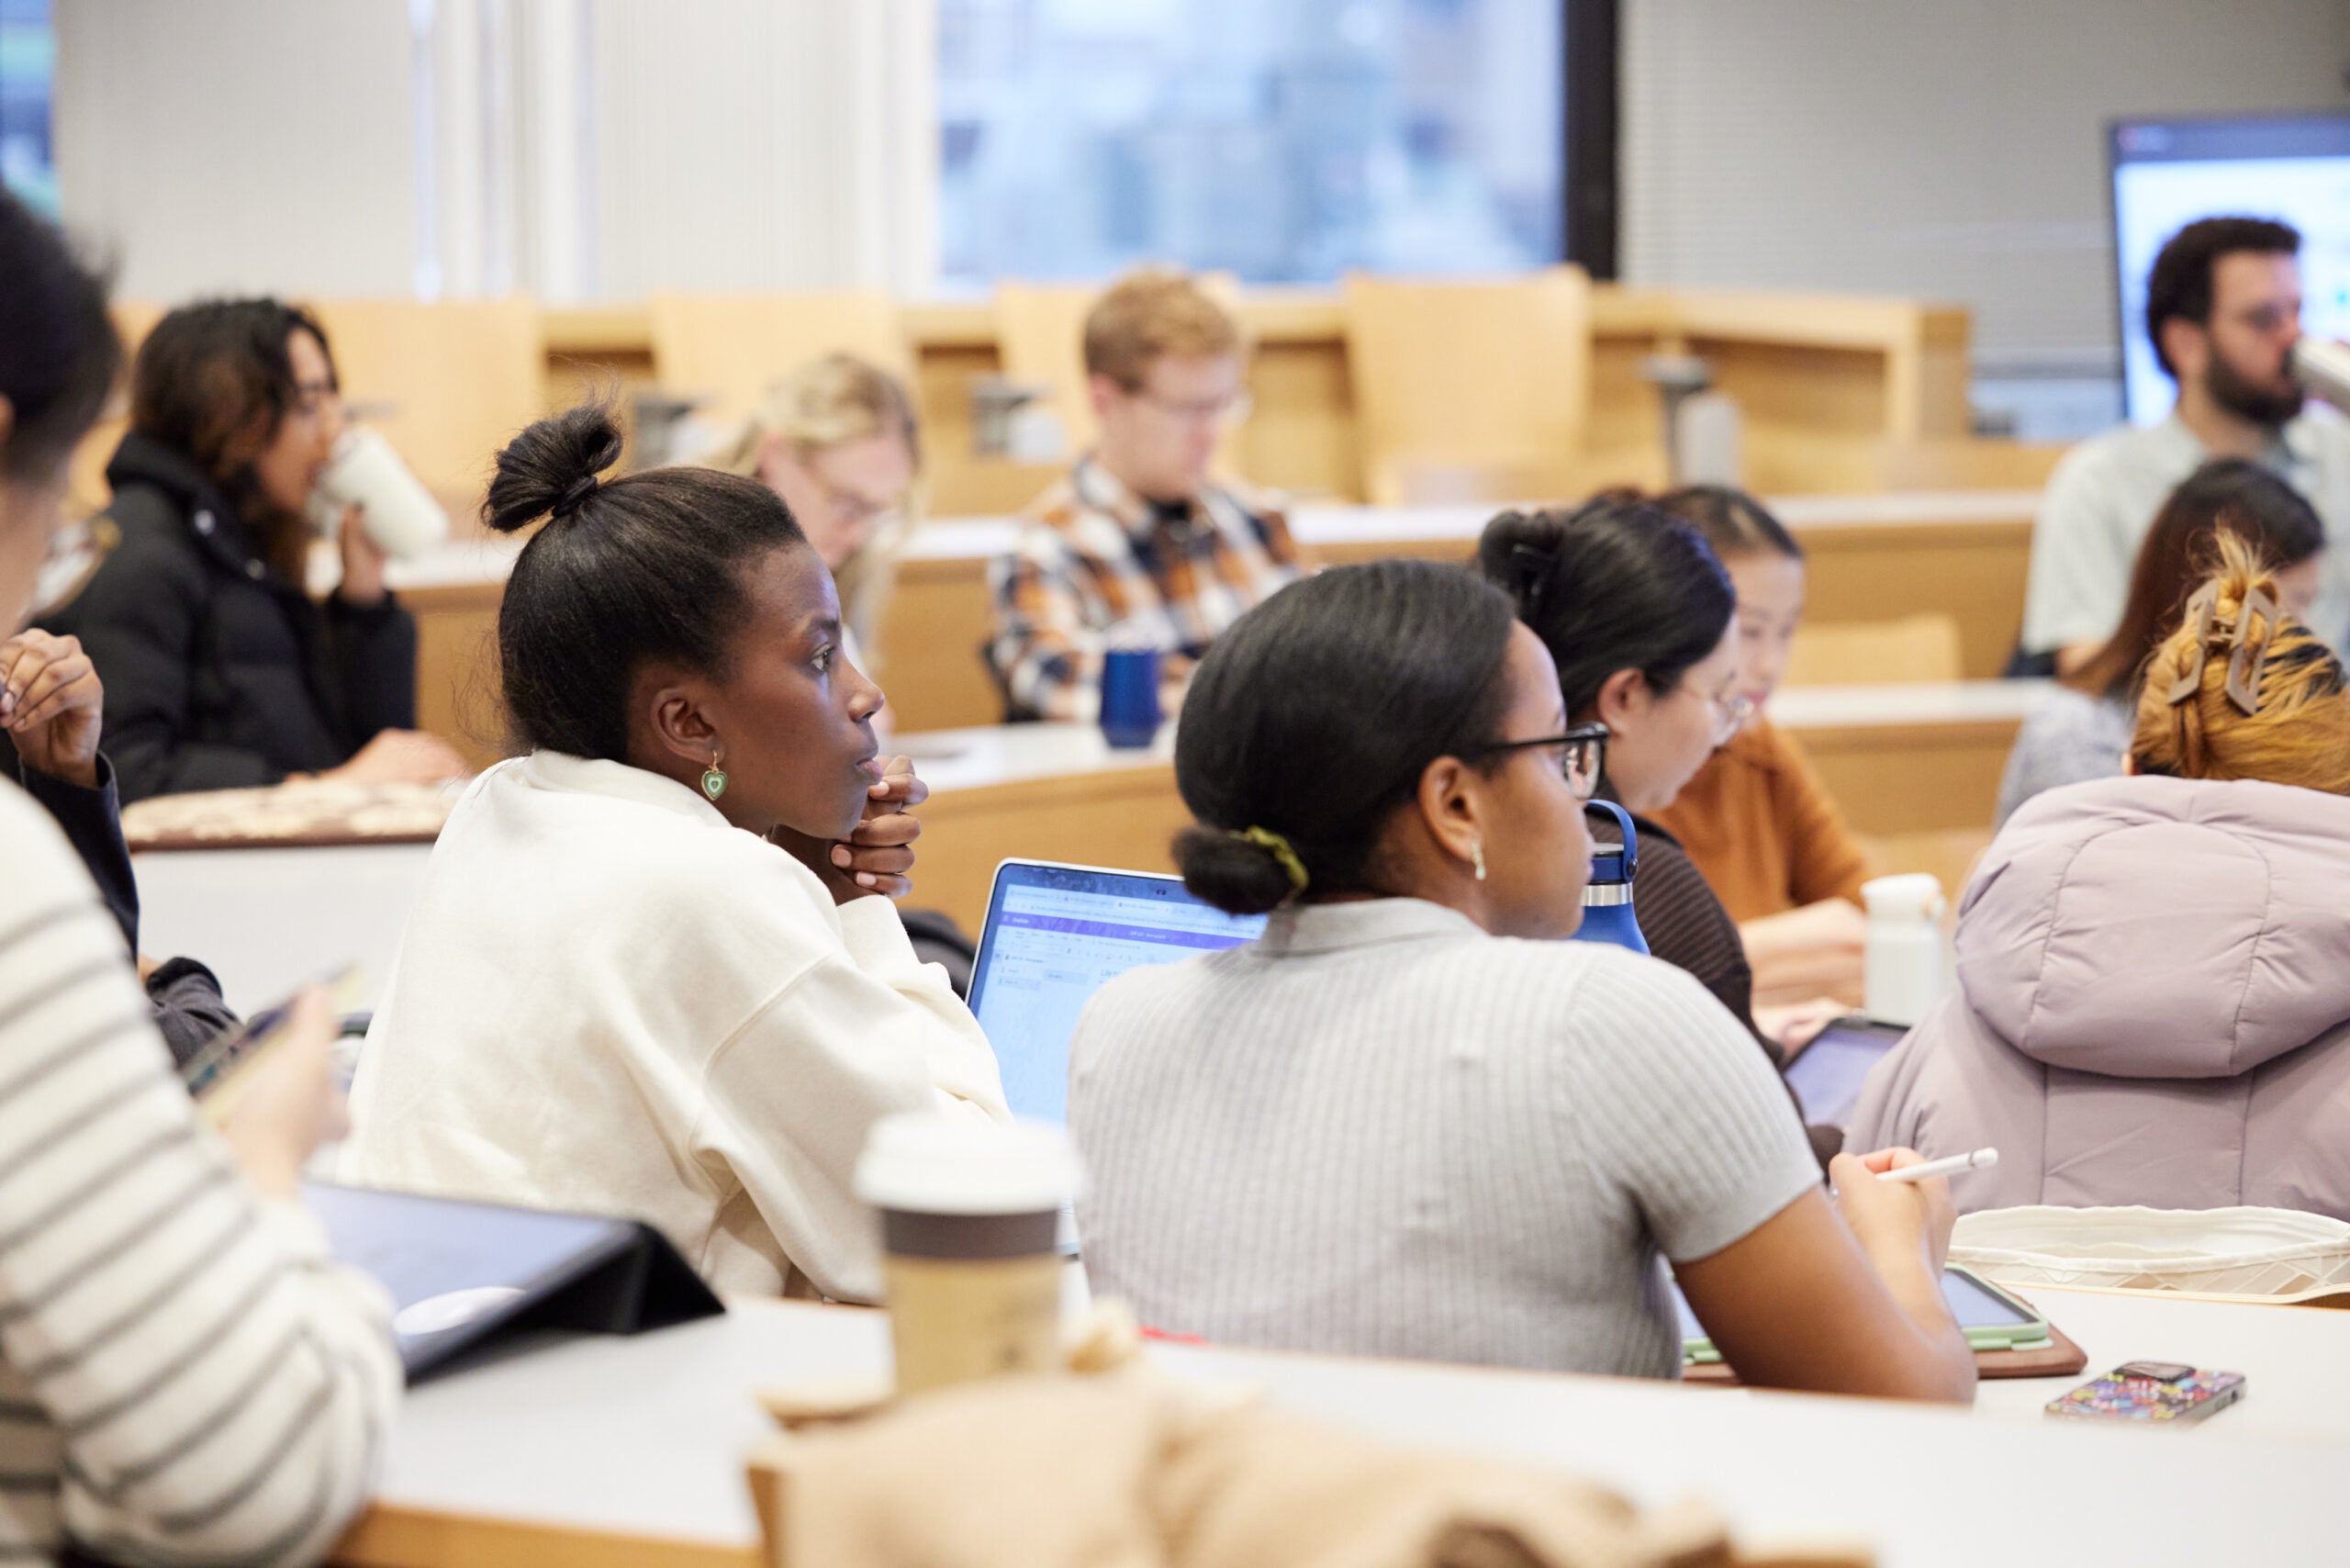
27 61
1281 140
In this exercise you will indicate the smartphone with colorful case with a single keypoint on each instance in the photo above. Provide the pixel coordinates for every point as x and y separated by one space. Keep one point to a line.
2156 1392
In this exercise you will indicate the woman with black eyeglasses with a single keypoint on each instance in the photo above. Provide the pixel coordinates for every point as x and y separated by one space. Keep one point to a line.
1640 616
221 670
1407 1121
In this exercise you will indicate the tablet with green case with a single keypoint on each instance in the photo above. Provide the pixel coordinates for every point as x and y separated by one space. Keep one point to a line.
1991 1318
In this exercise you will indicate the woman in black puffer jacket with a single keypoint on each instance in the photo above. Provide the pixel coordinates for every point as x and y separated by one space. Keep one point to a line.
221 670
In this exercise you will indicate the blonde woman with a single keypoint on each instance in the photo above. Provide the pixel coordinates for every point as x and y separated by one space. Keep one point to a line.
838 440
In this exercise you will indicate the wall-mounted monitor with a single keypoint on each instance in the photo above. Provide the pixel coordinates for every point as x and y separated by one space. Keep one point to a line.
2169 173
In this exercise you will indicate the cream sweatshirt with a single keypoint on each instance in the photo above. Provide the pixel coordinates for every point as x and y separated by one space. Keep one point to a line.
609 998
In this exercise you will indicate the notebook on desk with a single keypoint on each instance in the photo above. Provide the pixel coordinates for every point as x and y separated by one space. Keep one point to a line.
1053 936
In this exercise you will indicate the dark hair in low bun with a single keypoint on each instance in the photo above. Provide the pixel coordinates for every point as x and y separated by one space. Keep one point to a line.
1314 714
1231 873
628 571
1613 585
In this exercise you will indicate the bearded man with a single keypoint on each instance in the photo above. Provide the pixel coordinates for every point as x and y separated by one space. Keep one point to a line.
2223 308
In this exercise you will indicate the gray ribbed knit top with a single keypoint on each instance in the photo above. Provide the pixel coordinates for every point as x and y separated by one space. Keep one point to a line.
1379 1131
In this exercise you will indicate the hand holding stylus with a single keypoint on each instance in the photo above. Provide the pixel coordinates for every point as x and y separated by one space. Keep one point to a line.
1981 1159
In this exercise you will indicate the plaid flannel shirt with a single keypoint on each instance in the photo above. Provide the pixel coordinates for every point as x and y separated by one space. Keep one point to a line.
1094 566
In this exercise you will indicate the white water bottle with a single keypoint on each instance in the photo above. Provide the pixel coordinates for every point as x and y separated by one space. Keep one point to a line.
2323 367
398 513
1902 964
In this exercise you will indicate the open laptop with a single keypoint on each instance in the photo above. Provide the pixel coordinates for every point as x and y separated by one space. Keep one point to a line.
1054 934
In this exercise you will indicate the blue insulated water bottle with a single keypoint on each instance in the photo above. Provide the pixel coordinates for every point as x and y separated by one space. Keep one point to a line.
1607 896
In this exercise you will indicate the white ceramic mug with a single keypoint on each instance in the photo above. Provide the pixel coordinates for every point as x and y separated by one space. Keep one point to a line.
398 513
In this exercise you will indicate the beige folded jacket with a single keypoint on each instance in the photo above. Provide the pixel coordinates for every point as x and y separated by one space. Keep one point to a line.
1131 1470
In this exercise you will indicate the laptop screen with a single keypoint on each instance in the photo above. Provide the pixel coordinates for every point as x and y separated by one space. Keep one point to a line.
1054 934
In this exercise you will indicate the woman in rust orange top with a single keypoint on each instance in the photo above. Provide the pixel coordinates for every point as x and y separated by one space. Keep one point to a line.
1756 819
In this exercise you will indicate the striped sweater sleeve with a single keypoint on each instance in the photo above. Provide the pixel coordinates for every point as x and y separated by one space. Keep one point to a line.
185 1376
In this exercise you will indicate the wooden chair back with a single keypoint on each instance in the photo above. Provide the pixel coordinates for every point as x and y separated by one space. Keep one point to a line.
1875 653
448 384
1460 374
726 350
86 475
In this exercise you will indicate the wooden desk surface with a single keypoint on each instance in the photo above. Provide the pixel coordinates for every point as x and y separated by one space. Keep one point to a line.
1915 768
1814 711
1324 525
470 560
597 1451
297 814
1873 557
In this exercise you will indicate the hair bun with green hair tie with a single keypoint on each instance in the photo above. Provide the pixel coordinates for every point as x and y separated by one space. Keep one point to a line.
1278 847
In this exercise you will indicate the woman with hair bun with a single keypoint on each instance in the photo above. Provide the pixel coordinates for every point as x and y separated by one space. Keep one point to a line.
2154 1002
1407 1121
1638 613
652 968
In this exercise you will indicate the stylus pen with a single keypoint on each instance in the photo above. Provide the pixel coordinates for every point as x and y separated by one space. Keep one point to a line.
1981 1159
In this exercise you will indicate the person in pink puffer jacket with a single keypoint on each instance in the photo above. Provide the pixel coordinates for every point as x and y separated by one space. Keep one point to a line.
2154 1002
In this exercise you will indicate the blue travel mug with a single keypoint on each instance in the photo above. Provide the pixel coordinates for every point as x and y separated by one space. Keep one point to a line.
1607 898
1130 697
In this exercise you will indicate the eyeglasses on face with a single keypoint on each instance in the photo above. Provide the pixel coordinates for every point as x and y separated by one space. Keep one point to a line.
1731 712
312 398
1582 754
1225 413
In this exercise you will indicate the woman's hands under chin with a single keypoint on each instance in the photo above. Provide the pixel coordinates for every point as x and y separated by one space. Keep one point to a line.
879 852
52 705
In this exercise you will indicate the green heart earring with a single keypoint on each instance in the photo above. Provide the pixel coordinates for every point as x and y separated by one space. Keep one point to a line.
714 779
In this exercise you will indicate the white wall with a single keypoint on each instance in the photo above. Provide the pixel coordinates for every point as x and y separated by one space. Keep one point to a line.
596 149
747 144
579 150
239 144
1951 148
